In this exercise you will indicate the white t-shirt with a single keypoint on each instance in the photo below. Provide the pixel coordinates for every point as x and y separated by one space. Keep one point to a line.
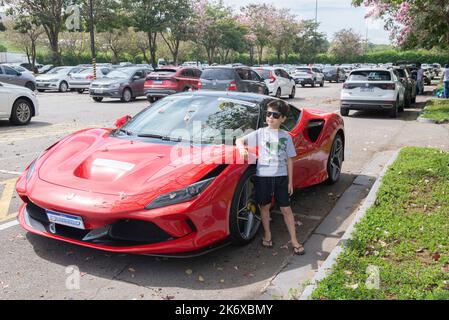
446 74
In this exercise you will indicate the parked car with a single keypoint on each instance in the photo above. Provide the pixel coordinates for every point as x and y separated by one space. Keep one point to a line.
11 76
124 83
278 81
19 68
334 74
121 191
29 67
18 104
81 81
170 80
409 84
45 68
56 79
378 89
225 78
308 75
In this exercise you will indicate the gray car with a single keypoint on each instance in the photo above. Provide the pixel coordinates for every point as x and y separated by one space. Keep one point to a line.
11 76
122 83
226 78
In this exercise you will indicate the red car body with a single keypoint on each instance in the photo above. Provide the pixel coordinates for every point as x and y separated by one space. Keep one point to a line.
170 80
70 178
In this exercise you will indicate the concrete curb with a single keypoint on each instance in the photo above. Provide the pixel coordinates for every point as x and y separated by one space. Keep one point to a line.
326 267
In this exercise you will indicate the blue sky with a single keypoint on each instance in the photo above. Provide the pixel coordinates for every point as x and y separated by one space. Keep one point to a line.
333 15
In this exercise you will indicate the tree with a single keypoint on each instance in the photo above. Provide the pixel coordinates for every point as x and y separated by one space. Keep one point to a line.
115 41
284 30
413 23
50 14
346 45
179 26
308 42
262 20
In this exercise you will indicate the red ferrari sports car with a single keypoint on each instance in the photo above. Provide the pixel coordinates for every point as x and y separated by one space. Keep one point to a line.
148 188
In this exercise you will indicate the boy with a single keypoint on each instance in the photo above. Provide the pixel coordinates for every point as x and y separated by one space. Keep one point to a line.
274 170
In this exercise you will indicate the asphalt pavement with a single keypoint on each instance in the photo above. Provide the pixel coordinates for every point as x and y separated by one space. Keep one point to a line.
33 267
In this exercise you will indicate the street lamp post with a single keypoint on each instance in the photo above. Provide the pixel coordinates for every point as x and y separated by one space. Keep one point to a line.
316 27
92 37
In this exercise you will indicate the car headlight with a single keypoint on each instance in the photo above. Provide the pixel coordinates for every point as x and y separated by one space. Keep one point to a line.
114 86
33 164
179 196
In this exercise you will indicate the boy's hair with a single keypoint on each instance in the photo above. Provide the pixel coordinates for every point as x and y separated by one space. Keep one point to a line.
280 106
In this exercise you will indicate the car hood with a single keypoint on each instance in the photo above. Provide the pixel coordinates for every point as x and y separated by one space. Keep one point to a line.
94 161
104 81
15 88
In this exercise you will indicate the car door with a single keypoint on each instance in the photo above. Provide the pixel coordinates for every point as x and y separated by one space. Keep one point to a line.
258 84
246 84
287 82
5 107
137 83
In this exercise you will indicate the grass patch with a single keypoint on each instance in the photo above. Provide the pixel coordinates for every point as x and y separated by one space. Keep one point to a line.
405 235
437 109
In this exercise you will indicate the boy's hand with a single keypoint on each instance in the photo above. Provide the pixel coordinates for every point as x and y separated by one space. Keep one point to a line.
290 189
243 153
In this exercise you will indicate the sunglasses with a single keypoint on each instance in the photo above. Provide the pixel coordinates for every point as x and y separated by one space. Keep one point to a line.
275 115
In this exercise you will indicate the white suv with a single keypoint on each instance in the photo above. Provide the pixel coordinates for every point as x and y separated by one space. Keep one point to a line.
372 89
18 104
278 81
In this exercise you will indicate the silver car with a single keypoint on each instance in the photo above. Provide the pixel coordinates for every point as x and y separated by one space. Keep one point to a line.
81 81
11 76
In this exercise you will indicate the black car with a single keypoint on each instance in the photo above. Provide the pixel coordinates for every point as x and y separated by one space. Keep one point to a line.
334 74
229 78
409 83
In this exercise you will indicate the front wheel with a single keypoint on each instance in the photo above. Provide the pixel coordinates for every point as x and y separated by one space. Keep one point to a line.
21 112
322 84
335 160
97 99
278 93
244 216
292 95
80 91
63 87
126 95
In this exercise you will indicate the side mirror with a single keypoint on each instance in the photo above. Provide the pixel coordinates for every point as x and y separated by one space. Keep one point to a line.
19 73
121 121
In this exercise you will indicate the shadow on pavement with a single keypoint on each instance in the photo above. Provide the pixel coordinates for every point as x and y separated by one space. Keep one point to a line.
235 266
33 124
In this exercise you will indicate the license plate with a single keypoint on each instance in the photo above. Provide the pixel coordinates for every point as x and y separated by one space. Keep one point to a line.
157 82
65 219
366 89
98 90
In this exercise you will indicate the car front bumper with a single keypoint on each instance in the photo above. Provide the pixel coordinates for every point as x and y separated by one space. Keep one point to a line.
47 85
105 93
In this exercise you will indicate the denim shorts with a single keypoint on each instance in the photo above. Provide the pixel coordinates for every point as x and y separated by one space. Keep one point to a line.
269 187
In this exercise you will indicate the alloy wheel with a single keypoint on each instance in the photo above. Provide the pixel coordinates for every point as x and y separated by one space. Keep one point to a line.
248 215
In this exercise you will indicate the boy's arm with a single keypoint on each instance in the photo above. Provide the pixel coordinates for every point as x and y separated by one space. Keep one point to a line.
290 175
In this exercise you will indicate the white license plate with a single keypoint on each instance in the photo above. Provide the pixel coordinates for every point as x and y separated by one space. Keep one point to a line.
65 219
98 90
157 82
366 89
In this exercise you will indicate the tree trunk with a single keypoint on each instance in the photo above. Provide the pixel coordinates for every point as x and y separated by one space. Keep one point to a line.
260 54
251 55
152 44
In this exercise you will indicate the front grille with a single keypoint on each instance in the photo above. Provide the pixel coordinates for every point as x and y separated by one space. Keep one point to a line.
121 233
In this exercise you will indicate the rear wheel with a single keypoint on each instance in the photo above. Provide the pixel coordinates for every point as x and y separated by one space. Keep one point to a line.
21 112
394 110
278 93
335 160
80 91
322 84
313 83
97 99
40 90
292 95
244 217
344 111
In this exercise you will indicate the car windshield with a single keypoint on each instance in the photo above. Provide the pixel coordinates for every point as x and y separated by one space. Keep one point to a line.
218 74
264 73
200 119
120 73
56 70
370 75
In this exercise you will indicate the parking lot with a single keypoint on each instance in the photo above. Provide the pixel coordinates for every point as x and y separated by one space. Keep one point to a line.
32 267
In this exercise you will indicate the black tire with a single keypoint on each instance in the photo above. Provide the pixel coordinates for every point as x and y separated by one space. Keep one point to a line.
394 110
30 86
303 85
292 95
97 99
322 84
63 86
151 99
80 91
414 99
278 93
21 113
126 95
266 92
40 90
344 111
335 160
313 83
236 234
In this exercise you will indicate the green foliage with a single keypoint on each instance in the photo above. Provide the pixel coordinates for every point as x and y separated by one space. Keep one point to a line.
405 235
437 110
2 48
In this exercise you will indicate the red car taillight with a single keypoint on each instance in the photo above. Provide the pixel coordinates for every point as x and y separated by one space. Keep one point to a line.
200 85
90 77
272 77
232 86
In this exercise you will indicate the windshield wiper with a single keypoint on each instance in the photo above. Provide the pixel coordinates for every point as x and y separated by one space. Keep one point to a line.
158 136
127 132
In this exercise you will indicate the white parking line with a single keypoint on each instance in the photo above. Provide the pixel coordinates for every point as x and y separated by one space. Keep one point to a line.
11 172
8 225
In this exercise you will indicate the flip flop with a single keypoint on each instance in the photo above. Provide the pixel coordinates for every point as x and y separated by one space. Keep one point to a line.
267 243
299 250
